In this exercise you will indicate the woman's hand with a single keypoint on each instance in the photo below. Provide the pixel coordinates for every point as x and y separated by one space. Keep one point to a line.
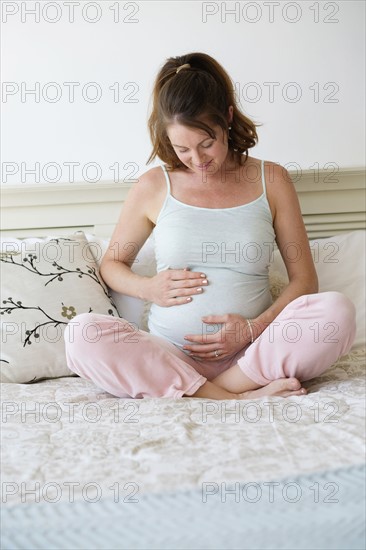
232 336
174 287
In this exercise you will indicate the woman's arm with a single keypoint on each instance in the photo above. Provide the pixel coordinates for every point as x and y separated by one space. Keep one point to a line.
131 232
137 220
292 242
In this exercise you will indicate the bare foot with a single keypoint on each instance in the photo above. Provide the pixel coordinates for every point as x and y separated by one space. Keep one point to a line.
283 387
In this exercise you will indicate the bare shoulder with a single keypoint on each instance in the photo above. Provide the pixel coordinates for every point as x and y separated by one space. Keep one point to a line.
153 174
148 192
273 172
276 174
150 181
278 180
148 185
279 186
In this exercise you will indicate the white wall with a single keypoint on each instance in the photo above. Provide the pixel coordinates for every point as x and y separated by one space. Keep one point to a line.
305 51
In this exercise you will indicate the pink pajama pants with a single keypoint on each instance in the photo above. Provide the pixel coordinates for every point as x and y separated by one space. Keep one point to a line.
304 340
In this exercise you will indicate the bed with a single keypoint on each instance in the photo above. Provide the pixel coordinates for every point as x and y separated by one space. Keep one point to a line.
84 469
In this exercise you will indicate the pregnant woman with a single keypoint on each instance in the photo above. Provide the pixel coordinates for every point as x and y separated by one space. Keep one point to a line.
215 213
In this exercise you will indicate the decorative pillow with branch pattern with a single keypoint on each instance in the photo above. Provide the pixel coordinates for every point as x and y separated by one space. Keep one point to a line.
45 284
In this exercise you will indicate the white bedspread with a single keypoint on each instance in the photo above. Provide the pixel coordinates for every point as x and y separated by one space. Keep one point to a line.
81 435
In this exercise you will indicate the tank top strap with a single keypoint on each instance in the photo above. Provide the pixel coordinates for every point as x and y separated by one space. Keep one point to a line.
263 179
166 178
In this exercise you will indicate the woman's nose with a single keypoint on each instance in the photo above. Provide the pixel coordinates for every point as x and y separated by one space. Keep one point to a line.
197 158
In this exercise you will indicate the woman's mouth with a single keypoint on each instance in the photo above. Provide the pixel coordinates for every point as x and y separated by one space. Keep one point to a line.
204 165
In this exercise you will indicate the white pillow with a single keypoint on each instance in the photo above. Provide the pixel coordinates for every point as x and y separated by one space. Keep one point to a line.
130 308
45 283
340 265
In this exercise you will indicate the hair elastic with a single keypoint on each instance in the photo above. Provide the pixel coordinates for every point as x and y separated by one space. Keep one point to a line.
185 66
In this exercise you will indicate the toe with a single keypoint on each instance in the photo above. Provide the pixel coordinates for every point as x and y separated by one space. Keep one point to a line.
293 384
302 391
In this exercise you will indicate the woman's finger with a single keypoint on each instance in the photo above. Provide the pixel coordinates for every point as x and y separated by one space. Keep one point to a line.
178 300
203 339
188 283
182 274
179 292
204 349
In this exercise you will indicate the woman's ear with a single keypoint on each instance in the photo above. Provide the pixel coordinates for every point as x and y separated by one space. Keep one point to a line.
230 114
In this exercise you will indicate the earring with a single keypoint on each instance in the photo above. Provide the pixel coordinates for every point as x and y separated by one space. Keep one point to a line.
228 135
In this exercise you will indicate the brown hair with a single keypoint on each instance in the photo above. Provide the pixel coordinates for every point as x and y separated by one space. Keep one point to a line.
203 89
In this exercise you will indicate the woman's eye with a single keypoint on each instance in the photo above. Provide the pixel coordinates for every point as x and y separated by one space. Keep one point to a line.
182 151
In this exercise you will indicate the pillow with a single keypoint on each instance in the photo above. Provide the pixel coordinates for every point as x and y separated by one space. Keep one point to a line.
45 283
340 265
132 309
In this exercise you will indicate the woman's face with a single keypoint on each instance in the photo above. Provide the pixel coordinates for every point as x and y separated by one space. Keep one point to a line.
197 150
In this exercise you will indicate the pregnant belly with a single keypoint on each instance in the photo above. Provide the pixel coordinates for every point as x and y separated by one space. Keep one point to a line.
230 292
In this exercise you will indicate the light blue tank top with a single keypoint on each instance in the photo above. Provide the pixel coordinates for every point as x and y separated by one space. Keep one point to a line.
232 246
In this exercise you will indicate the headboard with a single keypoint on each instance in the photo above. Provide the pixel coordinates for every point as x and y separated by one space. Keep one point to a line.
332 202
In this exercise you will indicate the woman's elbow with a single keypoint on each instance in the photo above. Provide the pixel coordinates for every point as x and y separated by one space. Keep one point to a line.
312 284
104 268
315 285
308 284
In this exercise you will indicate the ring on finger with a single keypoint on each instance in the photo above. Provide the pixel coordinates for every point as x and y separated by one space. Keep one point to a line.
217 353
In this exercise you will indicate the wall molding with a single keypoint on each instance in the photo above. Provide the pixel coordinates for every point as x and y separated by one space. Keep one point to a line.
330 203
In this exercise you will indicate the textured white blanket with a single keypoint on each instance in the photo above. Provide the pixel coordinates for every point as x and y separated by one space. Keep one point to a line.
66 439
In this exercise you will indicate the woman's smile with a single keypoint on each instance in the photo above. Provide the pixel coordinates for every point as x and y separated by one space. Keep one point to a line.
204 165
